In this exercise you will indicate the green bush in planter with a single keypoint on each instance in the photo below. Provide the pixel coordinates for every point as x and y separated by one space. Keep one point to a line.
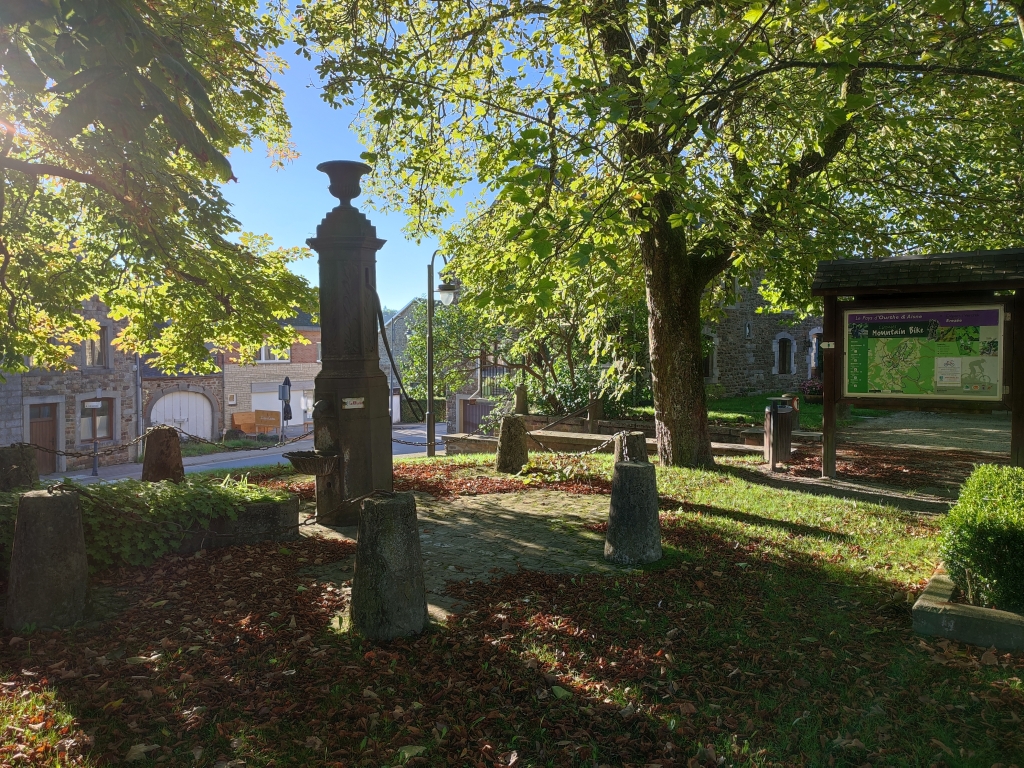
133 523
983 538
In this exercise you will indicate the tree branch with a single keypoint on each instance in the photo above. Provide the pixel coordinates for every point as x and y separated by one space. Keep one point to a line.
43 169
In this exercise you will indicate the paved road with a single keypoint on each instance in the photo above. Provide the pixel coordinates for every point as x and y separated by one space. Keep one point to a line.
413 433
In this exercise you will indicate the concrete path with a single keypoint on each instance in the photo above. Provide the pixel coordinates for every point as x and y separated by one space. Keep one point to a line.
228 460
910 429
481 537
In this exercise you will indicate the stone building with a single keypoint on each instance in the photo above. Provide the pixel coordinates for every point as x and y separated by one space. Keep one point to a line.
756 351
254 387
95 401
397 329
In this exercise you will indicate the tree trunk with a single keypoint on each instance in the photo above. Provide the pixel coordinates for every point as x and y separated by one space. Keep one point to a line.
675 281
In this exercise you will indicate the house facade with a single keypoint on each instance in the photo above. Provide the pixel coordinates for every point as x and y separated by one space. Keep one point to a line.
93 403
254 387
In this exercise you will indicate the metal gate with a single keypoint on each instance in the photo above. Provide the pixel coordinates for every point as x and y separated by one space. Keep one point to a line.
473 412
42 431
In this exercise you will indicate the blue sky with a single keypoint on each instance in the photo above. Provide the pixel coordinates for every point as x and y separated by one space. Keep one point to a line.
288 203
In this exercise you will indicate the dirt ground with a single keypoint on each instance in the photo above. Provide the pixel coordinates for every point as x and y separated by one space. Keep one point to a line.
956 431
924 453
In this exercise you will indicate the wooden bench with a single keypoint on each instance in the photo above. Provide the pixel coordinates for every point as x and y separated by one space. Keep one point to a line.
256 422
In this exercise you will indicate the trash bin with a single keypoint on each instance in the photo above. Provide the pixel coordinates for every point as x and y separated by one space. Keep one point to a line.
794 400
778 431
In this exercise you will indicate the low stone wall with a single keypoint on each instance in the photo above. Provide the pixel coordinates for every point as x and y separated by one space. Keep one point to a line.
567 442
265 521
934 614
740 435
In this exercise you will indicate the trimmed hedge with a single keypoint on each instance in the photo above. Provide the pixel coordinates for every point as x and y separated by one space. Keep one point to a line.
983 538
133 523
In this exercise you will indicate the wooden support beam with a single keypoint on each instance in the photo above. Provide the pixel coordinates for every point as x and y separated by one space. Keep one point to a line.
1017 382
831 389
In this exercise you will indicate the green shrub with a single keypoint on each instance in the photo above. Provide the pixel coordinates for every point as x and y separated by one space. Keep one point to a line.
983 538
133 523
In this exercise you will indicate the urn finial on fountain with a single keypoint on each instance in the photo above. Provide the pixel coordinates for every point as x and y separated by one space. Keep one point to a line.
344 176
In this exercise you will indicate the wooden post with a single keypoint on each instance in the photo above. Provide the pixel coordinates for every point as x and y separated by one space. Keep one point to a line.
1017 382
830 389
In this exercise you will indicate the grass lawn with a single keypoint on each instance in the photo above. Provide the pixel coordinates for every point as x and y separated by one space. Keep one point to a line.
775 631
750 410
194 448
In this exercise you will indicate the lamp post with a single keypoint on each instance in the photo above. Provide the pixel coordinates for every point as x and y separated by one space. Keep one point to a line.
446 292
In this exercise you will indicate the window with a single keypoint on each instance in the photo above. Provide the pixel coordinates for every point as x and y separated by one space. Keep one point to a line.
707 361
96 422
319 352
96 350
785 356
266 355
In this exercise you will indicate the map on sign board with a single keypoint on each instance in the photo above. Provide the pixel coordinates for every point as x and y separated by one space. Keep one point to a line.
950 353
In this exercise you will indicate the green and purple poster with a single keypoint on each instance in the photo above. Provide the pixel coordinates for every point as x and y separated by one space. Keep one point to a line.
949 353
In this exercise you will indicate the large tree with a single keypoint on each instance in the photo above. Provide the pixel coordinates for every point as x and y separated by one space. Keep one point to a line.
115 122
713 138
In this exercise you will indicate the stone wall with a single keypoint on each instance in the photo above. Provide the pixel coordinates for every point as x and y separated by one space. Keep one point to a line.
745 358
11 416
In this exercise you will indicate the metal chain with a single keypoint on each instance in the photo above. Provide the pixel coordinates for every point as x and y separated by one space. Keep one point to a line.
183 433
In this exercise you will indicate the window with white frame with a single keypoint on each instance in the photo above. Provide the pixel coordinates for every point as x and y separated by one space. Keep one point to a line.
785 354
267 355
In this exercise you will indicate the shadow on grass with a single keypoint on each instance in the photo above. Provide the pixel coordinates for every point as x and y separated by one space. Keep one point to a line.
743 648
797 529
882 496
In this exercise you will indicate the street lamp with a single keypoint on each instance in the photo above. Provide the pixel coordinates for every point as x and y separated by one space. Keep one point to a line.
446 292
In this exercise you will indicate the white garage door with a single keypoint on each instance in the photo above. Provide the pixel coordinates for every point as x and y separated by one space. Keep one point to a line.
189 411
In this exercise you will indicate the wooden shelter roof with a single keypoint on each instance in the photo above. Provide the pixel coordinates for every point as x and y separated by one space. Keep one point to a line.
943 272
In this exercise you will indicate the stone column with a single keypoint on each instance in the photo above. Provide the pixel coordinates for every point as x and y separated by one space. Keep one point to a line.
513 453
631 446
389 597
49 570
350 415
18 467
634 530
162 457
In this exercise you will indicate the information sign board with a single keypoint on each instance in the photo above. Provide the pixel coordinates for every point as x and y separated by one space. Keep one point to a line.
949 353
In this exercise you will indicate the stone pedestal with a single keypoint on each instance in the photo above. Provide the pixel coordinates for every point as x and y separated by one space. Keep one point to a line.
18 467
162 458
389 599
631 446
634 531
49 570
350 415
513 454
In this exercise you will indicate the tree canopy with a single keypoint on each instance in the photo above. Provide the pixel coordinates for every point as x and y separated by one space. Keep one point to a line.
705 138
116 121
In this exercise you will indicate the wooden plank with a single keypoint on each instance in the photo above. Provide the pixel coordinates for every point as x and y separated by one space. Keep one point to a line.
1017 382
831 390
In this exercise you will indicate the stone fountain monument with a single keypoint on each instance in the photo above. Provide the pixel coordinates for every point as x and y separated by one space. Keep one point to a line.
351 425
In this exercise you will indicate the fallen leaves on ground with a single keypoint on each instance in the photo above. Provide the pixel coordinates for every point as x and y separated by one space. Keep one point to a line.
895 466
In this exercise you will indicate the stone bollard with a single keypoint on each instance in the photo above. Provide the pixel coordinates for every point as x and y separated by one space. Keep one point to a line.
49 569
522 405
512 451
389 599
631 446
18 467
634 531
162 459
